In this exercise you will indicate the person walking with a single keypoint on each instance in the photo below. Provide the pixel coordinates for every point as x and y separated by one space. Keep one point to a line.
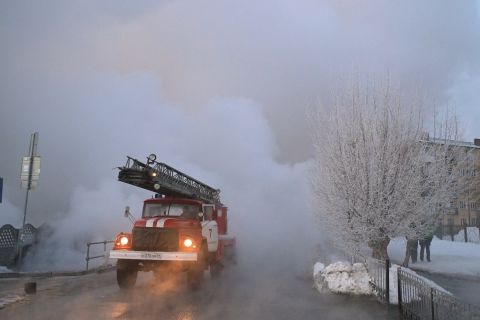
425 243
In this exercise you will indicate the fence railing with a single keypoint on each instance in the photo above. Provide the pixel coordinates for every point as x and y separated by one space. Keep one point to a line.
104 255
446 307
9 240
414 297
460 233
417 300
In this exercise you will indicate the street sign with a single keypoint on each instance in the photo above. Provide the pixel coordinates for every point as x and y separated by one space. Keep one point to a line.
33 184
25 175
30 166
29 177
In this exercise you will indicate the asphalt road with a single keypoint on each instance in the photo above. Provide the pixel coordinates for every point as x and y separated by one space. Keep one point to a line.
240 293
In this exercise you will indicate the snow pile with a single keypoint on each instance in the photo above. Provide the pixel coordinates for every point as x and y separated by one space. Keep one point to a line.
342 277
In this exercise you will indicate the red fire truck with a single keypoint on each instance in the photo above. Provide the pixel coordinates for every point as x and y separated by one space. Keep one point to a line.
183 228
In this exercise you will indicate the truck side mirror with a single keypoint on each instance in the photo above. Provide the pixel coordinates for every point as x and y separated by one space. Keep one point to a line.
127 212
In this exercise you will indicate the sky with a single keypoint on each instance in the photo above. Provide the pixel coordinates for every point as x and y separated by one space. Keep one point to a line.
216 89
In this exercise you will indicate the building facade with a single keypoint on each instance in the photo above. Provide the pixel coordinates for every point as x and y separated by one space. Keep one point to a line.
465 207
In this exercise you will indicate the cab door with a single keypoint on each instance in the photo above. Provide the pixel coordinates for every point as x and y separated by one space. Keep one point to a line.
210 227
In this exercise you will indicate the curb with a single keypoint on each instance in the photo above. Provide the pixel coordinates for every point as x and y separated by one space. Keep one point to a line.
50 274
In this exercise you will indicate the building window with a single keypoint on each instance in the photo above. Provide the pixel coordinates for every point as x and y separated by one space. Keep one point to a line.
463 205
462 172
473 173
463 221
450 221
474 221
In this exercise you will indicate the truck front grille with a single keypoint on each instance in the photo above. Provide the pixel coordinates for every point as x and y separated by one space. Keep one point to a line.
155 239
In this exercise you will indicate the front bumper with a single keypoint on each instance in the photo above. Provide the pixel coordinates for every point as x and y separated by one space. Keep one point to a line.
153 255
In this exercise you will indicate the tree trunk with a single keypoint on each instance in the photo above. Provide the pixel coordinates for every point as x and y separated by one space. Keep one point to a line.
407 255
379 248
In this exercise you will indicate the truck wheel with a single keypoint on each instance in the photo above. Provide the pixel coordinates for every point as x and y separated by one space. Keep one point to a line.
126 273
215 269
195 274
230 255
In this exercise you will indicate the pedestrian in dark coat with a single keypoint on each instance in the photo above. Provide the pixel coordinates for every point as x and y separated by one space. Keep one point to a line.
425 243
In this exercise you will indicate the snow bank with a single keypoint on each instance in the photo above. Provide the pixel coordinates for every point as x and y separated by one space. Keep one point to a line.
342 277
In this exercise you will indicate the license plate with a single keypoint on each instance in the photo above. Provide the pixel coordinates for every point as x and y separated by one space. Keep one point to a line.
151 255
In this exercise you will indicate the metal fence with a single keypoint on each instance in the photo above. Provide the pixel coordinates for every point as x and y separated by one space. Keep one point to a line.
460 233
104 255
414 298
418 300
446 307
9 240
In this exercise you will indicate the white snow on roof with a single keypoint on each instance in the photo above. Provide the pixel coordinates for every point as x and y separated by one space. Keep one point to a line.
452 142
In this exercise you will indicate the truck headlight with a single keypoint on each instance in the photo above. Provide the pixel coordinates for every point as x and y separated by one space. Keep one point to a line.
189 243
124 240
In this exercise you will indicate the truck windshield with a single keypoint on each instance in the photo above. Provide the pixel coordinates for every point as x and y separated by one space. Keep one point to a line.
170 209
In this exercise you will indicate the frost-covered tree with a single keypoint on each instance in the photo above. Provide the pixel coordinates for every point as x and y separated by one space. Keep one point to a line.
376 175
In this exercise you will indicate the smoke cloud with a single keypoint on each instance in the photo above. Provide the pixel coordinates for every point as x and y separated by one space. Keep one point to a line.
215 89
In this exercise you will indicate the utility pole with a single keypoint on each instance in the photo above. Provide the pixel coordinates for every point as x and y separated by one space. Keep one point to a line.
29 177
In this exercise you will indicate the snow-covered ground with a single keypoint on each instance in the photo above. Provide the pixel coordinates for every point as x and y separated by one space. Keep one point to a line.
447 257
450 258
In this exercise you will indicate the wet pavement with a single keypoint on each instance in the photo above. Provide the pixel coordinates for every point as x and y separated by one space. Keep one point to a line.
238 294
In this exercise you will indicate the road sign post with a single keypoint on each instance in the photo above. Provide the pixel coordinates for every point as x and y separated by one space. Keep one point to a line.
29 177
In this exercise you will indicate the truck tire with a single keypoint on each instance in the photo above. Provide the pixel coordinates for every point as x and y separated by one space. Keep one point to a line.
230 255
126 273
195 274
215 269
